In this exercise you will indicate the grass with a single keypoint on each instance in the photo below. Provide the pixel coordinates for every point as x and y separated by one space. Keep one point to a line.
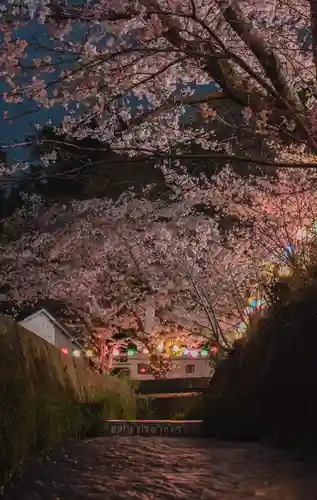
46 397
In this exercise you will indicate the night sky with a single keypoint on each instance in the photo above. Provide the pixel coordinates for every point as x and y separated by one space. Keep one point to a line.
27 115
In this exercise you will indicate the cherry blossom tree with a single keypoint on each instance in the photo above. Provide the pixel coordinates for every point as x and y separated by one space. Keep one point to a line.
277 231
140 269
114 264
136 72
278 211
139 66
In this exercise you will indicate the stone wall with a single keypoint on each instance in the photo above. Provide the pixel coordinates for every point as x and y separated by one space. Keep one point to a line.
40 394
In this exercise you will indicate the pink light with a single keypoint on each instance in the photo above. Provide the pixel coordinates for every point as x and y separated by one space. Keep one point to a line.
64 350
116 352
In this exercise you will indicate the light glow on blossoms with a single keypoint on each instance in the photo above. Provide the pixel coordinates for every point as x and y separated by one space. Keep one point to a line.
279 214
109 262
140 267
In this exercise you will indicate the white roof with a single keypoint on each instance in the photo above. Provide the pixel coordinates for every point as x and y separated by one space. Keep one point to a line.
51 318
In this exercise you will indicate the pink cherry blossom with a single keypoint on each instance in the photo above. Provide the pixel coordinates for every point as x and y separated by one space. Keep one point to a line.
136 72
255 52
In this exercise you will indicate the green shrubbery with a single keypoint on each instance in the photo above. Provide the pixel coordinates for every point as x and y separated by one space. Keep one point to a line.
268 386
170 408
145 409
46 397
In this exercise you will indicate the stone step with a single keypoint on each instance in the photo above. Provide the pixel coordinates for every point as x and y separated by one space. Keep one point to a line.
171 428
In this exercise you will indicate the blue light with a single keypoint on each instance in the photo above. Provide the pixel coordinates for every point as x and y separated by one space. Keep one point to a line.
289 251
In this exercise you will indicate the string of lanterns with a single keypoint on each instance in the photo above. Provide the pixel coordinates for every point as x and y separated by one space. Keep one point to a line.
78 353
174 350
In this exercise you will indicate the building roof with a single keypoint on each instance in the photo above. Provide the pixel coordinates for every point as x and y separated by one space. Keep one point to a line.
24 317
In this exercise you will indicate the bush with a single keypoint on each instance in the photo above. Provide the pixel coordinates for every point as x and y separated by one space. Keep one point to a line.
145 410
268 387
169 408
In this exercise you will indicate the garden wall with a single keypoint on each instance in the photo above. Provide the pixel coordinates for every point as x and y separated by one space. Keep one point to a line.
40 394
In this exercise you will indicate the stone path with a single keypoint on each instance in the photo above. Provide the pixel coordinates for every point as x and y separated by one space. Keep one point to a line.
139 468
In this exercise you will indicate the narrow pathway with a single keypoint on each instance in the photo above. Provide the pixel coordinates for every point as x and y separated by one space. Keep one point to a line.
139 468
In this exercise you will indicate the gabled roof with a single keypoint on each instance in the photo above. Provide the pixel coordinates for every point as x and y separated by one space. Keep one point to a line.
51 318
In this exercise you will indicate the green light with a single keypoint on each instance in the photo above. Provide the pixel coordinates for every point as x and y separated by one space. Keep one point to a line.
204 353
131 352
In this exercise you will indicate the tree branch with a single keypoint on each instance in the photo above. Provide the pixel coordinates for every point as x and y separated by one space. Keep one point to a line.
279 100
82 14
313 18
266 56
140 156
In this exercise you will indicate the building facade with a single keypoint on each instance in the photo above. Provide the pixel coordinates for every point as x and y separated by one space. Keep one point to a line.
138 367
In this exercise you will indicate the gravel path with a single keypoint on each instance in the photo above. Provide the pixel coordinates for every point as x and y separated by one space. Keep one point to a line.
140 468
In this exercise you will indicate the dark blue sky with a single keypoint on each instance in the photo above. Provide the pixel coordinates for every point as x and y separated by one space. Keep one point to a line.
26 114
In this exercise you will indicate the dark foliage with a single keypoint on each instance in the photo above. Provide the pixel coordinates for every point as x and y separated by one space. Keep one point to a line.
267 387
